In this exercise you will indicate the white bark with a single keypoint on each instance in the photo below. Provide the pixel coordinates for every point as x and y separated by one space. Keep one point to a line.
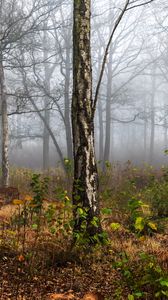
4 119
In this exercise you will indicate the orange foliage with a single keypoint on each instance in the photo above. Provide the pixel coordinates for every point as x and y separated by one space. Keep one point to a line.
93 296
61 297
65 296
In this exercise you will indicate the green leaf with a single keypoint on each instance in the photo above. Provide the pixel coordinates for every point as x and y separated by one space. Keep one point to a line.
127 273
158 269
138 294
164 282
153 226
115 226
157 294
108 164
71 223
52 230
106 211
80 211
95 222
34 226
77 197
139 224
130 297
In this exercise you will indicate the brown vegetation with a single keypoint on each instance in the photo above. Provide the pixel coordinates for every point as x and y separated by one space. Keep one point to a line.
37 260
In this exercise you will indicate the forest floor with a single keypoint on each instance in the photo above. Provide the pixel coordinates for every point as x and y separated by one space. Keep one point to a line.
37 262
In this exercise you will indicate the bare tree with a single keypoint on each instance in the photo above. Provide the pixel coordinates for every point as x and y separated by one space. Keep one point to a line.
17 21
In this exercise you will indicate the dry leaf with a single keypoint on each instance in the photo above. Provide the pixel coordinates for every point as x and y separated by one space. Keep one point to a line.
61 297
93 296
21 258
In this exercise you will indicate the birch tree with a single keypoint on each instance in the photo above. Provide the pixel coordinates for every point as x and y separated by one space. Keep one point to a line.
85 186
4 125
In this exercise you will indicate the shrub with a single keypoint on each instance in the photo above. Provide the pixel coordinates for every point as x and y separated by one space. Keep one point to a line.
157 196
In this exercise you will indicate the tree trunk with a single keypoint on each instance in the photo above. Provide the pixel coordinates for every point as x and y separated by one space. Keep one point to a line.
46 139
5 163
44 121
47 77
165 127
152 107
145 132
46 134
107 144
108 112
101 135
67 104
100 118
85 186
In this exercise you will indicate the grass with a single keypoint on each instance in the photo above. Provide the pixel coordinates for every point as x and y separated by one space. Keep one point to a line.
36 257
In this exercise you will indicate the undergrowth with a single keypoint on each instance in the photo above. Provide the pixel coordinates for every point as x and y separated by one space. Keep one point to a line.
37 231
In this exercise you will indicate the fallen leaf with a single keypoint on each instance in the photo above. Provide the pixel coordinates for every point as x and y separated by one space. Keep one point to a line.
21 258
61 297
93 296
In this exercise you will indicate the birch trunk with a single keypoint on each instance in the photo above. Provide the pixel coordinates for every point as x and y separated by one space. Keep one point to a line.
4 125
85 186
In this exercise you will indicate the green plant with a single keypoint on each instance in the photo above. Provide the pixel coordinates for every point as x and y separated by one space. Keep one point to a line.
157 196
39 187
153 275
124 266
118 293
140 223
146 277
68 165
83 237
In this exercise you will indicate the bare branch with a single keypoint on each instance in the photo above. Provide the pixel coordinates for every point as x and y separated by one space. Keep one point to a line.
125 8
128 121
138 5
106 54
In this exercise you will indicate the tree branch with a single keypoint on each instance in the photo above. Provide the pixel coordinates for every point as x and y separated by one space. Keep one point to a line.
138 5
106 54
125 8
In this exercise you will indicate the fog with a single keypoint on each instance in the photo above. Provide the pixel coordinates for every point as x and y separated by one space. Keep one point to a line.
131 121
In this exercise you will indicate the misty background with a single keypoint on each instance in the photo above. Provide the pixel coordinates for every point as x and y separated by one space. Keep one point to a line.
131 120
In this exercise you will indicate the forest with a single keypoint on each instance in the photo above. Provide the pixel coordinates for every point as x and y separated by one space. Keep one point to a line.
83 149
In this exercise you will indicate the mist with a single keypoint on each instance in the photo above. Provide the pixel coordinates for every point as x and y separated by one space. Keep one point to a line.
131 121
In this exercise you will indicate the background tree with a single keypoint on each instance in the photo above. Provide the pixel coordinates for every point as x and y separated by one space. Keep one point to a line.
18 21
